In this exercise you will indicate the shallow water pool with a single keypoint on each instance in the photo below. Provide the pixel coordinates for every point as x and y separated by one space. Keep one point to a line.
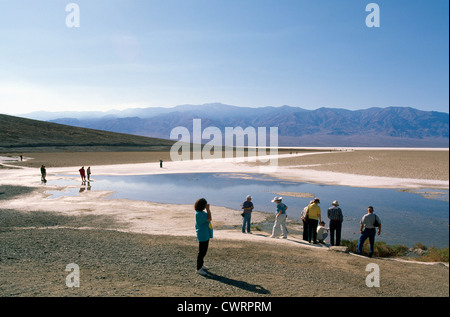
407 217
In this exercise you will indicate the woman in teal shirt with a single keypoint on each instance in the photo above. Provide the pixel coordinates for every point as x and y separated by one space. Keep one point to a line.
204 231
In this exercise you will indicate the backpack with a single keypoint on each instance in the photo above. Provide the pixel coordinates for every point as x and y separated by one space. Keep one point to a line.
376 223
305 215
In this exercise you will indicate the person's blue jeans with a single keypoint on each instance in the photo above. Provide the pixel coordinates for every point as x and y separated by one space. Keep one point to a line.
246 222
367 233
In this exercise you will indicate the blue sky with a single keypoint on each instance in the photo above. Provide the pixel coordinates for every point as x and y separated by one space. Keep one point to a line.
143 53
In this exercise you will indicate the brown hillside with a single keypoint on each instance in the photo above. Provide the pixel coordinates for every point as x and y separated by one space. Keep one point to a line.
19 134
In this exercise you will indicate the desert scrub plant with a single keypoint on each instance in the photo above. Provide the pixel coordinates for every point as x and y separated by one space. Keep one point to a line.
256 227
350 244
435 255
432 254
381 249
420 246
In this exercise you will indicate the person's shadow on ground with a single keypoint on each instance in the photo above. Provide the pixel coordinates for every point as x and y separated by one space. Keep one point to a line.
258 289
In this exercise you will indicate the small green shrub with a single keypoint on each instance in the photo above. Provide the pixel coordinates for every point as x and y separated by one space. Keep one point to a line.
381 249
435 255
256 227
420 246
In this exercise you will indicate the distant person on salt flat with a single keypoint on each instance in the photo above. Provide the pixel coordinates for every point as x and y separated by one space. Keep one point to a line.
82 174
43 174
247 207
280 219
336 219
161 163
88 171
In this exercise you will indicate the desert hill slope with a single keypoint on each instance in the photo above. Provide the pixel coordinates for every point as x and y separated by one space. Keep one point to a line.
19 134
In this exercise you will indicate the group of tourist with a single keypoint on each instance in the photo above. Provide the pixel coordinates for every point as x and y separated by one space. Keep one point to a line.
313 227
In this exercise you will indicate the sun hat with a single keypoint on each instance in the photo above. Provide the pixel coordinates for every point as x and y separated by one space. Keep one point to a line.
277 198
317 200
248 196
335 203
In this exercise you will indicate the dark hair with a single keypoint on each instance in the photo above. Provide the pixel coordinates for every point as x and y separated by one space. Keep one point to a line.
370 207
200 204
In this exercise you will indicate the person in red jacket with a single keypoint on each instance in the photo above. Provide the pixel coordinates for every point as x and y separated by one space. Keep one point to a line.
82 174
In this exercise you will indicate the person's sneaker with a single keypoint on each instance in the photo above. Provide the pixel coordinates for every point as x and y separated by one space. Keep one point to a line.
201 272
205 268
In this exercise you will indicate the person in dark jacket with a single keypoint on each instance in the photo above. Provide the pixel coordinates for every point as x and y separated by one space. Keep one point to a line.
336 219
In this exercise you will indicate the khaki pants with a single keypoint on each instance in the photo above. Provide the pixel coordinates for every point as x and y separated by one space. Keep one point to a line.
280 221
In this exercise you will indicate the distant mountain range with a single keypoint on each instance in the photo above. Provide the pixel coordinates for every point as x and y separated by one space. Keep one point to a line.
381 127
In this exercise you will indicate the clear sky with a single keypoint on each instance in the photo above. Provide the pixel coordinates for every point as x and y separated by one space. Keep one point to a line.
143 53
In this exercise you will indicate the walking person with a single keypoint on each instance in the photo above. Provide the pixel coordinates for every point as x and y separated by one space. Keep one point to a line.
88 171
204 232
314 216
43 175
82 174
369 223
336 218
280 219
247 206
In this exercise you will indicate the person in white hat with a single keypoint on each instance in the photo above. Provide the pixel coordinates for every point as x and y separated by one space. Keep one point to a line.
247 207
336 219
280 219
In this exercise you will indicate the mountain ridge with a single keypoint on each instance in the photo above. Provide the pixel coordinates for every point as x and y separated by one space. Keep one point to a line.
390 126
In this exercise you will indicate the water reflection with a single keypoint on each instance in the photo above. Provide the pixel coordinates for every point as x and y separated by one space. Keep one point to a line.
85 186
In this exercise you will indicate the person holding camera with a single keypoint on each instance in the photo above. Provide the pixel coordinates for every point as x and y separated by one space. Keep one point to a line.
204 232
